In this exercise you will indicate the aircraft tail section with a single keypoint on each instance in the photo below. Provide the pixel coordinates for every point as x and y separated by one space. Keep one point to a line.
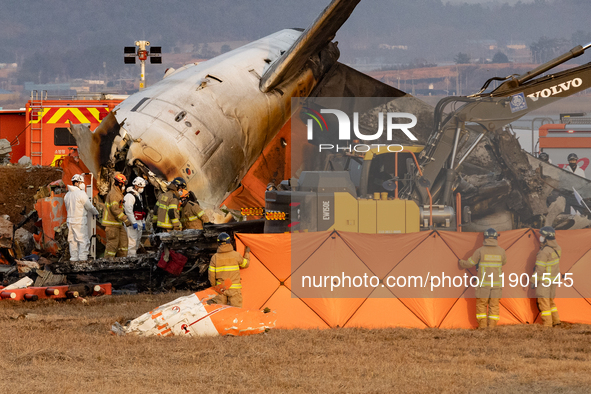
312 40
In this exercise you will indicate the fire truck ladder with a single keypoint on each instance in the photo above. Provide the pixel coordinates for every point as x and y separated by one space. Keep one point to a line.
36 122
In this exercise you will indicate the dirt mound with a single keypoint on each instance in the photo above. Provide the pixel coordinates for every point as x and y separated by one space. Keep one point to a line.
19 184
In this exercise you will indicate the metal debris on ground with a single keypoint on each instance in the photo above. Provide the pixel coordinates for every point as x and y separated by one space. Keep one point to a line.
23 291
197 315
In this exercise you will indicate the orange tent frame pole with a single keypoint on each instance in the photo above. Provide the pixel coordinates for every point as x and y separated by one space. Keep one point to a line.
459 212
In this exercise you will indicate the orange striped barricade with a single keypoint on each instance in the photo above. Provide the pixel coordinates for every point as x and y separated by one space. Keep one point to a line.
193 316
55 292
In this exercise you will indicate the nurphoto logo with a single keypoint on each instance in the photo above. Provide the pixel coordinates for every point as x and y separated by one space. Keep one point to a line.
392 120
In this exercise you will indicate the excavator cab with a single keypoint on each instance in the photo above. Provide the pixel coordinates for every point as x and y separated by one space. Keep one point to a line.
382 167
346 162
357 193
390 171
378 170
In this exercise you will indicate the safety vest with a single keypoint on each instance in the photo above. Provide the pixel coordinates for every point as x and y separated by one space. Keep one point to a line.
490 259
114 214
192 216
547 262
226 264
139 211
166 202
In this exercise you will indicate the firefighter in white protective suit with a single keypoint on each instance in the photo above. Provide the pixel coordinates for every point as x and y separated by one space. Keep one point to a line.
133 206
77 206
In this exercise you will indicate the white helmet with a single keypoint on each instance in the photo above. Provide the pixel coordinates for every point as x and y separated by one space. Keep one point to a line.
77 178
139 181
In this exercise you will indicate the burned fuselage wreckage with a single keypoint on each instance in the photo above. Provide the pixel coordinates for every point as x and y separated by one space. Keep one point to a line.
209 122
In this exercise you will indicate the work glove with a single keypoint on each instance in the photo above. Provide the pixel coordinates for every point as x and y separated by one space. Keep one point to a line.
247 249
144 226
135 226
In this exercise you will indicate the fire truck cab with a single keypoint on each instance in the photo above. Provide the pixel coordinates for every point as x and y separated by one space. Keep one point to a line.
573 135
47 137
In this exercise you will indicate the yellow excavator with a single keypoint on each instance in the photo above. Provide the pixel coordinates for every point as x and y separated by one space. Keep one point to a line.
415 189
356 193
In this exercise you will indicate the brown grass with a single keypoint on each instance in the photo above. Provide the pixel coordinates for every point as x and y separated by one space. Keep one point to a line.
66 347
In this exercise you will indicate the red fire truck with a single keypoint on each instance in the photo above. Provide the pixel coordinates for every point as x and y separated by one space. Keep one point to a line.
571 136
42 134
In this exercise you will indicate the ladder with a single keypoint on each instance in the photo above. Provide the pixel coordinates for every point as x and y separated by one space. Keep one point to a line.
36 123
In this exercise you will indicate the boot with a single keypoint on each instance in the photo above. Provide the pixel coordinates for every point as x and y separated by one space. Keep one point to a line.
492 323
547 321
481 323
555 319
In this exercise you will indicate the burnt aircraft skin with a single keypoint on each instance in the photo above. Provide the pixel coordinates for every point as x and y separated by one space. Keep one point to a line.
209 122
195 123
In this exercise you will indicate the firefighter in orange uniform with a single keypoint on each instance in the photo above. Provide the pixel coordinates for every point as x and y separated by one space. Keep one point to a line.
114 219
490 258
166 213
192 215
547 270
226 264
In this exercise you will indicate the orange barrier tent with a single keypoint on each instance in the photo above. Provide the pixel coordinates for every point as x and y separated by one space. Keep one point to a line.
268 280
52 212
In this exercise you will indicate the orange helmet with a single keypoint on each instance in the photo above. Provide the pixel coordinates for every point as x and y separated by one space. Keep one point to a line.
120 178
184 193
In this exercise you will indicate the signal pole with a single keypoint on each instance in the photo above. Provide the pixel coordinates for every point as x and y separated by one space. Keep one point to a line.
155 55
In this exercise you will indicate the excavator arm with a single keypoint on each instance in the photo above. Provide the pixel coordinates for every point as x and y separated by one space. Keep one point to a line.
487 112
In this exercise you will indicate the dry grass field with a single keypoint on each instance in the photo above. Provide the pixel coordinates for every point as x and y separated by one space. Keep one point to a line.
66 347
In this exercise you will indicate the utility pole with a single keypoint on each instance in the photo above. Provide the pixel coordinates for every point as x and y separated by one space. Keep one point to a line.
155 55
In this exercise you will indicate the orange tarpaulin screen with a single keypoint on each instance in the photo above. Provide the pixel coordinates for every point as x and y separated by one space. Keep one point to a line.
52 212
268 280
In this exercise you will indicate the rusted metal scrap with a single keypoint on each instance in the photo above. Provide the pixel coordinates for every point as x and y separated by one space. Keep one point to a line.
517 169
121 271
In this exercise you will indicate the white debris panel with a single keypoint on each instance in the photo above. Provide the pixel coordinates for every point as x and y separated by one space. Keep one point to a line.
192 315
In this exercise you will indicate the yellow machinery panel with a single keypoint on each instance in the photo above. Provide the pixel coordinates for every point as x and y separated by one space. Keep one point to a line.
391 216
367 216
375 216
345 212
413 217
